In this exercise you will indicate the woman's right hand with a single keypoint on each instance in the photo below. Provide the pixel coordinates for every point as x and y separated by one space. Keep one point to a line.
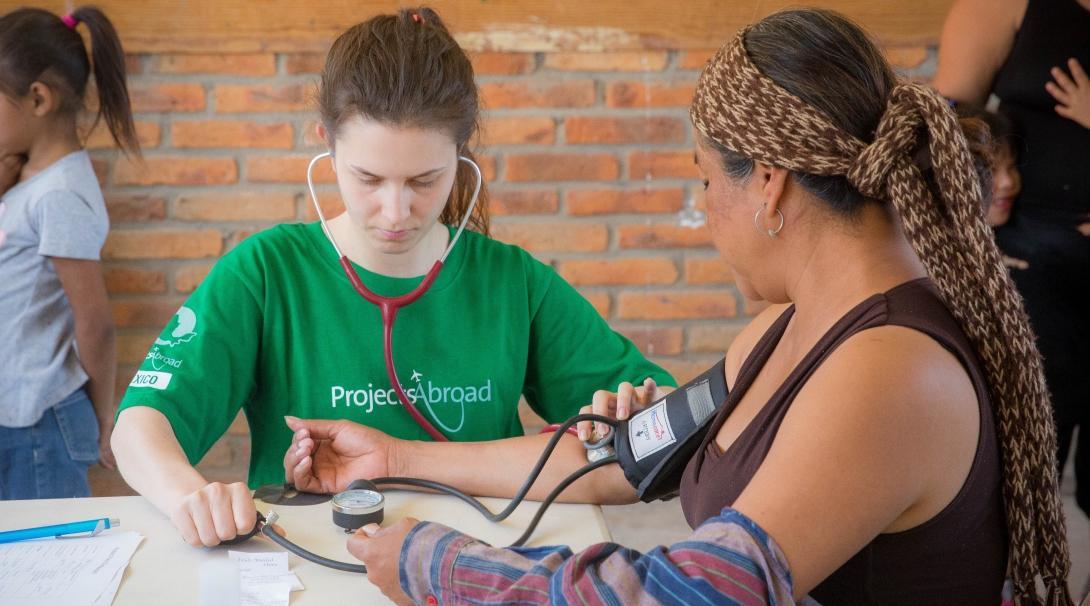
628 399
215 513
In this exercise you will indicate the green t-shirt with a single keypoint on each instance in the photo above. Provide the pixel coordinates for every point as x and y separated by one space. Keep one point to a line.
277 329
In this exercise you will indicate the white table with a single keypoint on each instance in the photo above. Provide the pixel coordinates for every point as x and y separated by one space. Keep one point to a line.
164 569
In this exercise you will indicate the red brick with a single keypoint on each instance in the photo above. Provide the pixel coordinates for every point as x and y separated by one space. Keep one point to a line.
550 237
519 131
160 244
662 164
148 97
189 277
652 129
234 64
618 201
634 270
663 235
906 57
231 134
148 134
502 64
685 369
562 167
122 279
146 313
134 64
488 167
599 300
236 206
627 94
234 98
330 201
135 207
287 169
239 235
304 63
655 341
712 338
538 93
176 170
523 202
132 348
676 305
630 61
707 270
695 59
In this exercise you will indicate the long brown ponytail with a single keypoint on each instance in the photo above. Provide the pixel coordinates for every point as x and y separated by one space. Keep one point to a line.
806 90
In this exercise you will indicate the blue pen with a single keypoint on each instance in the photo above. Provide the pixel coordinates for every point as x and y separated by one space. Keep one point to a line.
58 530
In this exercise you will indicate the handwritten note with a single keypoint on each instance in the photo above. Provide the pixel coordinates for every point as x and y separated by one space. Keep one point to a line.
266 580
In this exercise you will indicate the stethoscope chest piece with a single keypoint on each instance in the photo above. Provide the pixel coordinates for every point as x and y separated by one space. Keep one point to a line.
358 505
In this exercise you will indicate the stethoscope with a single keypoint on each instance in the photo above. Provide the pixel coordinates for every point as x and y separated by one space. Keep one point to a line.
389 306
362 503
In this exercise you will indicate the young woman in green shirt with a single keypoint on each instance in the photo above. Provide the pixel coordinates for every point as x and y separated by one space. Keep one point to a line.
278 330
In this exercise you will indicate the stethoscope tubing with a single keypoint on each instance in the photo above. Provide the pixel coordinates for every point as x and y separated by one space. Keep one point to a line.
270 532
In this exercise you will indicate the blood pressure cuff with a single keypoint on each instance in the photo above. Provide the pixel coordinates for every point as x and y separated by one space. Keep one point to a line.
654 446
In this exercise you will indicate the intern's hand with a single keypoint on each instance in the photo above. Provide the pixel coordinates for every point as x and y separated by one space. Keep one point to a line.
380 549
325 456
215 513
1072 92
620 405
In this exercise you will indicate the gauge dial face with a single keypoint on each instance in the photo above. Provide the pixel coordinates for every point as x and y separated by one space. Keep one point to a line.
358 499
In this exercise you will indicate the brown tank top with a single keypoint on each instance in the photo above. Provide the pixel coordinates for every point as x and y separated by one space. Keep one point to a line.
957 557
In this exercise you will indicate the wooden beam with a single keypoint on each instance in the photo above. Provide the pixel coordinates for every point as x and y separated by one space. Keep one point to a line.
202 26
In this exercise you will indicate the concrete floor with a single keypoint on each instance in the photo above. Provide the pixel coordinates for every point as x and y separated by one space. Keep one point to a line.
643 526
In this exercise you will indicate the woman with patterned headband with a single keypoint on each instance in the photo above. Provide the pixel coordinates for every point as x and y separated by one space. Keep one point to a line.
887 437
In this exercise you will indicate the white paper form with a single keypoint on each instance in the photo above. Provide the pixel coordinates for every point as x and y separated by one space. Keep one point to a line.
266 580
70 571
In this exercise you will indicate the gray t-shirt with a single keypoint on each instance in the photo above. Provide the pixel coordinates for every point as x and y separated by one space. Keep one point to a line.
57 213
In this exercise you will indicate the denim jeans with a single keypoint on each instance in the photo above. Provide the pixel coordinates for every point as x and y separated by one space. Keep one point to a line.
49 459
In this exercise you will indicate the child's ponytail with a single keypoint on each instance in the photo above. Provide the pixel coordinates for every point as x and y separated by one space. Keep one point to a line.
36 45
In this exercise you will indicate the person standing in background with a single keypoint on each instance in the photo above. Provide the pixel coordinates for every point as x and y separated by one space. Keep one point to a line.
1033 55
57 362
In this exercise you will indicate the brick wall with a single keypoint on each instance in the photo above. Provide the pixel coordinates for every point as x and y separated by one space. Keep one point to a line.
588 156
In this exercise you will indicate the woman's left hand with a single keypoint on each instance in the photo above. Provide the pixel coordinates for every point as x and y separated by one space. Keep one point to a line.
1072 92
380 550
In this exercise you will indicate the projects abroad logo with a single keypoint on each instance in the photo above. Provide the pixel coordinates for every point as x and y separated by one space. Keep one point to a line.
183 331
418 391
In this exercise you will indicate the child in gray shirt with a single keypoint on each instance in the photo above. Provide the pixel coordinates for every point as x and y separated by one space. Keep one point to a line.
57 362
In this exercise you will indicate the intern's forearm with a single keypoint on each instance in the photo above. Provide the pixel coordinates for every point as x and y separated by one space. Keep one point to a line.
151 460
97 351
499 468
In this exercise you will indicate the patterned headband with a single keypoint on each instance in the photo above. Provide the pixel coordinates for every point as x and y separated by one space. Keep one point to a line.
740 108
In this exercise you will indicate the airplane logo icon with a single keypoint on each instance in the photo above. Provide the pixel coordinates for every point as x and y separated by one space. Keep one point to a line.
416 376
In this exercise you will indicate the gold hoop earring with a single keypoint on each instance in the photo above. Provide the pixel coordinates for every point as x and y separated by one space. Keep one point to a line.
772 233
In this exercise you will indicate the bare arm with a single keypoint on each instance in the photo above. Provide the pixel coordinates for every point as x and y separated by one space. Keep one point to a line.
976 39
153 463
86 290
325 456
896 445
